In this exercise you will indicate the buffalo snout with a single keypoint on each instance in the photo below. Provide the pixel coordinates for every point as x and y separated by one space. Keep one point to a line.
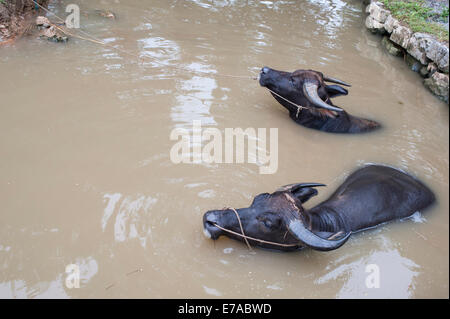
210 220
264 76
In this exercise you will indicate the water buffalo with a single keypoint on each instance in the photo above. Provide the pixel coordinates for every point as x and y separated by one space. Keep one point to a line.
369 197
307 88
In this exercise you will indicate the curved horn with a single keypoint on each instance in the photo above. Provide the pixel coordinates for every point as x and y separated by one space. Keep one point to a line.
337 81
310 91
296 186
298 230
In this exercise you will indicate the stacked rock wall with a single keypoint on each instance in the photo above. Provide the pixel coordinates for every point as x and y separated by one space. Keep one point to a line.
423 52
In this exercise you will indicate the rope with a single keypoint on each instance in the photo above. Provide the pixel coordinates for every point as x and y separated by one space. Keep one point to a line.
248 237
255 239
299 107
242 234
74 35
99 41
242 229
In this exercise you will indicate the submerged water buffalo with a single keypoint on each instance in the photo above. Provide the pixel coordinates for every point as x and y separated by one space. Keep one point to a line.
307 88
369 197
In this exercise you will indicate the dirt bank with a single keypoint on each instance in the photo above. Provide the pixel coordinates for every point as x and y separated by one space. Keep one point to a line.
15 17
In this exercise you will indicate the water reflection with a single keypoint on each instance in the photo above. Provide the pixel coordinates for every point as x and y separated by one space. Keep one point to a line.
88 268
195 95
41 287
131 221
157 52
212 291
43 290
397 274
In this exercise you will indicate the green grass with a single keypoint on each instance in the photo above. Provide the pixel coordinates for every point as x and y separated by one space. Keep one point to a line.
444 13
415 14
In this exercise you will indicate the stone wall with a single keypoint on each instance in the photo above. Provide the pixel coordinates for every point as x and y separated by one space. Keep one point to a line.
423 52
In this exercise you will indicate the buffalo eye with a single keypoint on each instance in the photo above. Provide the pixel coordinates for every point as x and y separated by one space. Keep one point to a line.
268 223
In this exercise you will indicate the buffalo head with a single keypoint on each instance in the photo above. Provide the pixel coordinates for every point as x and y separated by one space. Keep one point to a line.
308 99
304 87
274 221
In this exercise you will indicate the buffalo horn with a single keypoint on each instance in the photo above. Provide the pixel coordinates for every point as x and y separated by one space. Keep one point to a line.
337 81
310 91
303 234
297 186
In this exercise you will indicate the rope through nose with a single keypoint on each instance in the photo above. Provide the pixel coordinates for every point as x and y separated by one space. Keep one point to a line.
255 239
242 229
251 238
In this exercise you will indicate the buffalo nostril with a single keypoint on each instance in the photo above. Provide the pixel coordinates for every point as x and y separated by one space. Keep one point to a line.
210 221
210 218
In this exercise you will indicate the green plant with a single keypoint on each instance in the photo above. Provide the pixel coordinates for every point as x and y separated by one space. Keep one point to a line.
415 9
444 13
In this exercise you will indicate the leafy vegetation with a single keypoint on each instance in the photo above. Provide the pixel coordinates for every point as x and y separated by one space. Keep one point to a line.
418 16
444 14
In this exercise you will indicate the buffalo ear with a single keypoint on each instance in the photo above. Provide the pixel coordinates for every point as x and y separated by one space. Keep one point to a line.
303 191
335 90
304 194
260 197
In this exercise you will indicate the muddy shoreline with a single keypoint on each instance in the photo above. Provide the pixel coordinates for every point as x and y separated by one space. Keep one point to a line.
16 18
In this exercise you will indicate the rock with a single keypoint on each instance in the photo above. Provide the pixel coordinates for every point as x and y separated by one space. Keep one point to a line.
49 32
438 84
401 36
413 63
418 46
374 26
6 33
109 15
391 47
390 24
377 12
59 38
106 14
431 68
423 71
438 52
52 35
42 21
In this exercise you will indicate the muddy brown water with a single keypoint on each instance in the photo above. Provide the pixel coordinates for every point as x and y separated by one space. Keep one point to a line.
86 177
